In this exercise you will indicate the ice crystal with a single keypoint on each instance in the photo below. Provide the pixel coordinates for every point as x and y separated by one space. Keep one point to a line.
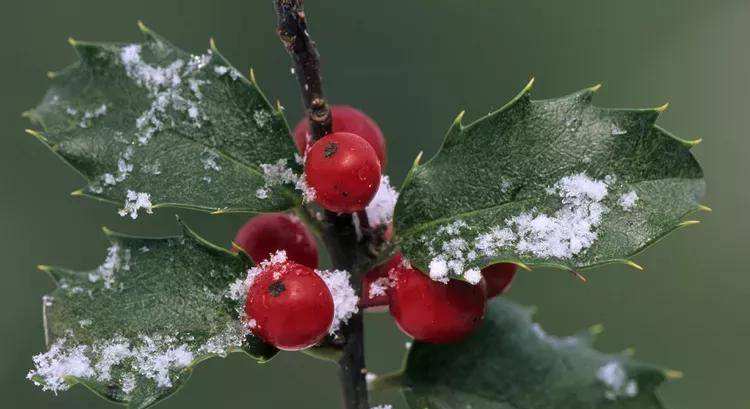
380 209
261 118
135 201
345 300
164 85
53 366
209 159
615 379
277 174
117 260
88 116
567 232
628 200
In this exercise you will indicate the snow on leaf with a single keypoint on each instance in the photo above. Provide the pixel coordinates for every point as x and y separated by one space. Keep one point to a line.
628 200
98 335
135 201
149 117
546 183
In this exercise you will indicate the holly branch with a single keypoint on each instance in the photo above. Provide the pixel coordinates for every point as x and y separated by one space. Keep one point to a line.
340 231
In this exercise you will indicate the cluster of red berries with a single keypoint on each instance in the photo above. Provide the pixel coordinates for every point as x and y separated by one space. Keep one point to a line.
290 305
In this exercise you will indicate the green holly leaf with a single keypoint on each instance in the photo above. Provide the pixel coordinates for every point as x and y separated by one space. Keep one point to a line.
558 183
132 329
511 363
149 125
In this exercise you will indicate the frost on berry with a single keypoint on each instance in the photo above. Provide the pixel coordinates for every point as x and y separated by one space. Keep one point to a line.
380 209
345 300
379 287
237 291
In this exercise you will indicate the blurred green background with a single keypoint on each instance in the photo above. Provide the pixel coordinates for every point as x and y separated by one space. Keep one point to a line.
413 65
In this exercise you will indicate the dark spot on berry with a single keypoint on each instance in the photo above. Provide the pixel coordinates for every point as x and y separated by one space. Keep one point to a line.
330 149
345 193
276 288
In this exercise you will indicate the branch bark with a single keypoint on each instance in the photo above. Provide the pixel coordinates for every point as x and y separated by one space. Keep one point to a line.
349 239
292 30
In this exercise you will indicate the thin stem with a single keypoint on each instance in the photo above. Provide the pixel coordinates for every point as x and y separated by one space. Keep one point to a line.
349 250
292 30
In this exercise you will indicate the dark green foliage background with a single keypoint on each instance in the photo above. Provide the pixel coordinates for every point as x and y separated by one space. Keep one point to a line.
414 65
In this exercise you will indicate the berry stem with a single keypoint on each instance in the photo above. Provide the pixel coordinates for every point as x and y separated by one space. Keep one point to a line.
349 250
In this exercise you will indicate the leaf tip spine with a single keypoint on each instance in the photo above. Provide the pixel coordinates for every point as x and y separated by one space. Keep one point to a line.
252 77
662 108
596 87
691 143
44 268
78 192
459 117
672 374
528 86
36 134
596 329
629 352
142 26
51 75
688 223
705 208
72 41
212 44
236 246
579 276
107 231
418 158
633 264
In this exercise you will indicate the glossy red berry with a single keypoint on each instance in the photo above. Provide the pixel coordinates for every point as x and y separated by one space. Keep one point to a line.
265 234
374 296
289 306
431 311
498 277
344 171
346 119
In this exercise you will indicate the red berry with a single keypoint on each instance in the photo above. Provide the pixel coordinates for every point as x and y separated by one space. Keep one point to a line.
346 119
267 233
380 276
498 277
344 171
289 306
431 311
